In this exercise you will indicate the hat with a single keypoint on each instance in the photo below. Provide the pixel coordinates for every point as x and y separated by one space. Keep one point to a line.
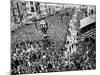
42 22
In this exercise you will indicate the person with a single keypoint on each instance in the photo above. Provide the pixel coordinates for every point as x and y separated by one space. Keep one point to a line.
43 26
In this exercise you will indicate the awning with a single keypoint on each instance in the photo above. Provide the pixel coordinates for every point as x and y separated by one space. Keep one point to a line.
88 20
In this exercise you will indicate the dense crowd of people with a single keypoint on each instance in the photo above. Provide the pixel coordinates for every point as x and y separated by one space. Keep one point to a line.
49 54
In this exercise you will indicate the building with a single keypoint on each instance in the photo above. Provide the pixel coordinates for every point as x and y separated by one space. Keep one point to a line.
87 28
